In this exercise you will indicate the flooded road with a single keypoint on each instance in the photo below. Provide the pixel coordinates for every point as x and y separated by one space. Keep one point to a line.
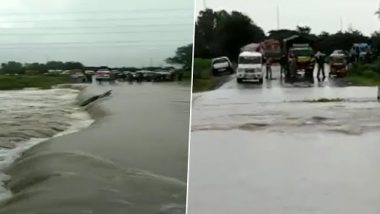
133 159
276 149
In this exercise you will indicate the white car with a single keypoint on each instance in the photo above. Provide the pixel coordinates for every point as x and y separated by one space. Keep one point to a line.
221 65
250 67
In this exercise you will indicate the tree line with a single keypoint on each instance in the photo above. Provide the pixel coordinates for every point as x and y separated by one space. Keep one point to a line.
20 68
220 33
182 58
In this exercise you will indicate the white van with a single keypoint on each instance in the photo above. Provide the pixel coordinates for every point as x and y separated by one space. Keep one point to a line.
250 67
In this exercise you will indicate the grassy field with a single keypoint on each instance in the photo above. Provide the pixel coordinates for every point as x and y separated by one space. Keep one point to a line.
31 81
366 74
203 80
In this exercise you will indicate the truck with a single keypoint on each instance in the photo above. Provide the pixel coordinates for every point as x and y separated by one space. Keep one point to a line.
299 51
271 48
361 51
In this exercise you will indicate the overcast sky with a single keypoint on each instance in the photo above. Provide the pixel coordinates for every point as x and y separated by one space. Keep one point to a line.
95 32
320 15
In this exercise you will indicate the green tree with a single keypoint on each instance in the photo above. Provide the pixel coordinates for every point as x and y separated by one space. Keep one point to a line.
36 67
303 30
12 67
55 65
183 56
222 33
281 34
73 65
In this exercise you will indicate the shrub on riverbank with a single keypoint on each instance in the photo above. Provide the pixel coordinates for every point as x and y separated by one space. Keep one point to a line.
31 81
365 74
203 80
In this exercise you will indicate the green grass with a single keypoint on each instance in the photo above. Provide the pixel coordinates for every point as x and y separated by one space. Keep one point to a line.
31 81
365 74
203 80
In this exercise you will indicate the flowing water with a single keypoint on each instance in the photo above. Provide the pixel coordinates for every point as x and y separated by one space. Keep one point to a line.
275 148
133 159
28 117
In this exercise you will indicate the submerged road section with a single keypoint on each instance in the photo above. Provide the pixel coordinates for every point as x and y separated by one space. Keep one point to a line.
298 148
133 159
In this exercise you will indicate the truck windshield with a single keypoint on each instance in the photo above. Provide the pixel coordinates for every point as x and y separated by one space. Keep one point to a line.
337 60
302 52
249 60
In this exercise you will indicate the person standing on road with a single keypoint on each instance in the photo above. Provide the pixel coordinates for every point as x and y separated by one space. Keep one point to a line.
269 68
284 64
321 64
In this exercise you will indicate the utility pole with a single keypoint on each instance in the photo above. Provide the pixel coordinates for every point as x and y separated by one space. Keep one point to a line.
341 24
204 4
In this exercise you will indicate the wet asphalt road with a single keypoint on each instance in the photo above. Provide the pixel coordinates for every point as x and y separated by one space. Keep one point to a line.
270 149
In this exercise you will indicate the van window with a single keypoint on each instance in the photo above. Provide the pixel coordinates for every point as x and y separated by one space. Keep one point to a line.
249 60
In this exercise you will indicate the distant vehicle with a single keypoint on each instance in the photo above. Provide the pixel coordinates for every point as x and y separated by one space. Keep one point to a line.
221 65
361 51
103 74
165 75
299 50
148 75
304 58
271 48
89 72
338 52
338 65
250 67
138 76
252 47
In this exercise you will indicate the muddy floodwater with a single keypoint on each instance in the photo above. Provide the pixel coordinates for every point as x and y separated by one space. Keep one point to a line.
132 159
277 148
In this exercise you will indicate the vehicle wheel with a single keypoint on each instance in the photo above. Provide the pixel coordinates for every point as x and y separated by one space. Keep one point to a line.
239 80
261 81
214 72
309 74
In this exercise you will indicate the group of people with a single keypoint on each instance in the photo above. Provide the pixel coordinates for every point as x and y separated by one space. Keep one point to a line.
288 63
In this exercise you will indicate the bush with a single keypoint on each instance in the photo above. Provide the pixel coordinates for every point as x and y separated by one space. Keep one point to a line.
202 69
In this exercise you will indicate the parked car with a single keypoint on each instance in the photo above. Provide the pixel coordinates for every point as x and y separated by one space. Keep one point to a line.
221 65
89 72
102 75
250 67
165 75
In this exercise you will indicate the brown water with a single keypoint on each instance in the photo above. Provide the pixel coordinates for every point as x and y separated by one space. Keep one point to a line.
132 160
